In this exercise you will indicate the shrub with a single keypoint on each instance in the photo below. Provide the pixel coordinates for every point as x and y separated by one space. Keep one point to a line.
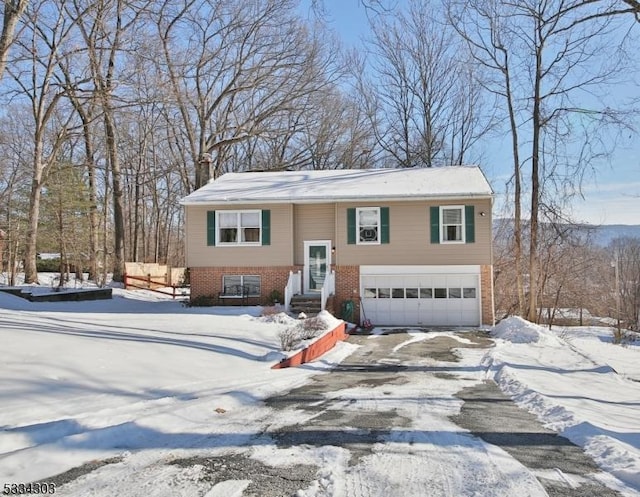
48 265
202 301
289 338
311 327
275 297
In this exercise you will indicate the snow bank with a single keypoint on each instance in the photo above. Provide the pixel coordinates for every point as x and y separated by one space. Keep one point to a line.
568 383
517 330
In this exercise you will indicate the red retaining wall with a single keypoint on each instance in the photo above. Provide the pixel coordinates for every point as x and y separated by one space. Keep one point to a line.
316 349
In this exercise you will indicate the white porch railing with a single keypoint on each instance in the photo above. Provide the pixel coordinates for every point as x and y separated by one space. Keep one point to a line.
294 287
328 288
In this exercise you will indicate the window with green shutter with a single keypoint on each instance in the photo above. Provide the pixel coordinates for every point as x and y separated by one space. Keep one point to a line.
239 228
368 225
452 224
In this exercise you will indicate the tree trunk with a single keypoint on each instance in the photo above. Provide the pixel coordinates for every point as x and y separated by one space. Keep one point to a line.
118 204
535 185
13 9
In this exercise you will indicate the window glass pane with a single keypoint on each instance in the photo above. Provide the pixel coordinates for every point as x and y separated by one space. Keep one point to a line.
253 284
370 293
426 293
397 293
228 219
368 234
469 293
250 219
368 217
412 293
384 293
452 233
231 284
455 293
440 293
451 216
228 235
250 234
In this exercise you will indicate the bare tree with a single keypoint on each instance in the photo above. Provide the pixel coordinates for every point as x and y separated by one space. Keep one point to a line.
424 99
104 27
627 258
39 49
548 59
15 174
248 67
488 44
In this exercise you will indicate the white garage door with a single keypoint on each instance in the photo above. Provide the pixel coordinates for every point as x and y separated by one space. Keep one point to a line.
394 296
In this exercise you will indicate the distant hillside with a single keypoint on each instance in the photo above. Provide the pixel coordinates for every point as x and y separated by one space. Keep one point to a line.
600 235
603 235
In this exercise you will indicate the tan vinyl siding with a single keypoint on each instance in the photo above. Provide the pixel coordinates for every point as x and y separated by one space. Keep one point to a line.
279 253
312 222
410 240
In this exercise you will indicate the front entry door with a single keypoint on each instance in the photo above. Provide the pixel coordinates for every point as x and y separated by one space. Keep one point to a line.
317 260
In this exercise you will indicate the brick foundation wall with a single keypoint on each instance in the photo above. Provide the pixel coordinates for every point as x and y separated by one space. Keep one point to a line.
348 288
487 304
207 281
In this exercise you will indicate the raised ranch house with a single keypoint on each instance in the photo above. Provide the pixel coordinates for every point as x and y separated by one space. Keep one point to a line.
413 244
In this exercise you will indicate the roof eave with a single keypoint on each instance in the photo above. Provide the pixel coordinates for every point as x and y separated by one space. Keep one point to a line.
325 200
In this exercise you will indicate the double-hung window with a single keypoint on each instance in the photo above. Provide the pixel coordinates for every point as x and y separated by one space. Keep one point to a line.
452 224
238 227
368 223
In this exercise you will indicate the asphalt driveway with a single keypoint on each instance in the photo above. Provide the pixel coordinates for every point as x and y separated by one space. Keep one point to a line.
402 416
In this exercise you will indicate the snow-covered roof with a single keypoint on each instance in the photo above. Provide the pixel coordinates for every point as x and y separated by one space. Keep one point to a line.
343 185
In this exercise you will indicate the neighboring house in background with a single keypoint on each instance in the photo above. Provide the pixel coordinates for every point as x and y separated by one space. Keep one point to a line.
415 244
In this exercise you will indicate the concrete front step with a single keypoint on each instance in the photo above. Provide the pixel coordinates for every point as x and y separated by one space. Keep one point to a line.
309 304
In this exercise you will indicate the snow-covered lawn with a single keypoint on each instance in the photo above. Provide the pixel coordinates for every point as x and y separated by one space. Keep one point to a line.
147 378
579 384
86 380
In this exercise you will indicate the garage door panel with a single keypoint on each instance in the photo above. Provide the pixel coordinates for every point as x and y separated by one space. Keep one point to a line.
421 299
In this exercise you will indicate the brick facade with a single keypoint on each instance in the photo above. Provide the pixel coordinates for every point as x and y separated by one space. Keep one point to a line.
207 281
487 304
348 288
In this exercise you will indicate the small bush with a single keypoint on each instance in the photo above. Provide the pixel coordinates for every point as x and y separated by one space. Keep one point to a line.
311 327
48 265
275 297
202 301
289 338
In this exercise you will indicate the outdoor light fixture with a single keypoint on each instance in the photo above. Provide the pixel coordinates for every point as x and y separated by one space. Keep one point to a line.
483 214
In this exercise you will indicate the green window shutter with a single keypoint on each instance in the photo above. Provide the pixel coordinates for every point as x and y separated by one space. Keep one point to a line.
351 225
469 224
435 224
266 227
384 224
211 228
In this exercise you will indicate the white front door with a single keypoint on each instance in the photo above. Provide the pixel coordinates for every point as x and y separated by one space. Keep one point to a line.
317 261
